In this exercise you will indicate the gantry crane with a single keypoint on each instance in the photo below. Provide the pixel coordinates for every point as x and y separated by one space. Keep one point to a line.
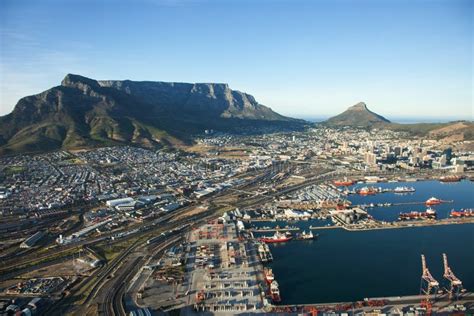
428 286
454 284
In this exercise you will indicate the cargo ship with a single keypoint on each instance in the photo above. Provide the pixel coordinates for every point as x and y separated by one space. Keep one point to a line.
433 201
269 277
462 213
450 179
429 214
404 190
275 292
367 191
276 238
343 183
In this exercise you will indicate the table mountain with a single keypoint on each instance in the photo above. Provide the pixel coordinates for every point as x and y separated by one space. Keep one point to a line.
84 112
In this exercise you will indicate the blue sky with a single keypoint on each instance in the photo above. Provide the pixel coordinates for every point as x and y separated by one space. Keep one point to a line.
404 58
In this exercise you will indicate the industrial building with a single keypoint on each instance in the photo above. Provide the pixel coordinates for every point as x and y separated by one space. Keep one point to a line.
117 202
32 240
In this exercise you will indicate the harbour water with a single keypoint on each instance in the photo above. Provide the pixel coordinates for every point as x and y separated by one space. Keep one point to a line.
461 193
348 266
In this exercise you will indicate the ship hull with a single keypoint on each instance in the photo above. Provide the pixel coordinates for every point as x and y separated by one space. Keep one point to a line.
273 241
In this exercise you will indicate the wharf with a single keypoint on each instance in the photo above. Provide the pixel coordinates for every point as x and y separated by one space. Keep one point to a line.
324 227
270 230
400 204
440 303
375 225
407 224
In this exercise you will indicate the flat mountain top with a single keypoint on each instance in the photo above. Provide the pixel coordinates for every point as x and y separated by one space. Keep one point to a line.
357 115
83 112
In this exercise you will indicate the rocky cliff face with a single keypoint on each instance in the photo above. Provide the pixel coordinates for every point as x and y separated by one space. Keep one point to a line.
83 112
217 99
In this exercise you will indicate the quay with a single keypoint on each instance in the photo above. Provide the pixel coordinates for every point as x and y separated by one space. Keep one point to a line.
376 225
324 227
387 305
270 230
401 204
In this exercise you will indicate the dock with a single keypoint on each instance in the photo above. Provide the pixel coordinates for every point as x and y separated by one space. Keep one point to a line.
400 204
324 227
440 304
270 230
376 225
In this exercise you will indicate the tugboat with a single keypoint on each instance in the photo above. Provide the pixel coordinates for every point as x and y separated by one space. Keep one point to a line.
306 236
433 201
277 238
269 277
343 183
275 292
367 191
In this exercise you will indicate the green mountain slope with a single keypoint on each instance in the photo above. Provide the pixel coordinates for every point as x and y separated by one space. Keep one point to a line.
83 112
356 116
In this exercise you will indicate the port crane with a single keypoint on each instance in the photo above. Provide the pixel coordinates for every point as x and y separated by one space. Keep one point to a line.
455 285
428 286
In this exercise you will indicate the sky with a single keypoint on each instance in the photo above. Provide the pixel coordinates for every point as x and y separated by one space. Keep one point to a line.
404 58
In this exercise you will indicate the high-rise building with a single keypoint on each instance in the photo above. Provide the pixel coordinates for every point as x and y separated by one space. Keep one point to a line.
370 158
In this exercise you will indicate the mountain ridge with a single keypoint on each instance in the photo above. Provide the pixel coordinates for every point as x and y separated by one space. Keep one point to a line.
83 112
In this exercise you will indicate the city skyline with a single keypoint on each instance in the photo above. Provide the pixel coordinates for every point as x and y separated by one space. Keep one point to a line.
404 59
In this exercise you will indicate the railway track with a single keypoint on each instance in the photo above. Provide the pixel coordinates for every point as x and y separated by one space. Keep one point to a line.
113 304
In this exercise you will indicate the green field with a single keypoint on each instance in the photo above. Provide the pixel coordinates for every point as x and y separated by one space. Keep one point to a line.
13 169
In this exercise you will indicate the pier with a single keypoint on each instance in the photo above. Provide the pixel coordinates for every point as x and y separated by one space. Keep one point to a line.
324 227
272 230
439 303
401 204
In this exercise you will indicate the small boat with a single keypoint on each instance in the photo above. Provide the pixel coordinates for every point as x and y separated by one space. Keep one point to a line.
343 183
269 277
366 191
306 236
403 190
275 292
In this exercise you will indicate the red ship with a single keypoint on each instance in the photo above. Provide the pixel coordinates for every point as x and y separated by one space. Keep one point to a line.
269 277
367 191
343 183
275 292
429 214
433 201
278 237
462 213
